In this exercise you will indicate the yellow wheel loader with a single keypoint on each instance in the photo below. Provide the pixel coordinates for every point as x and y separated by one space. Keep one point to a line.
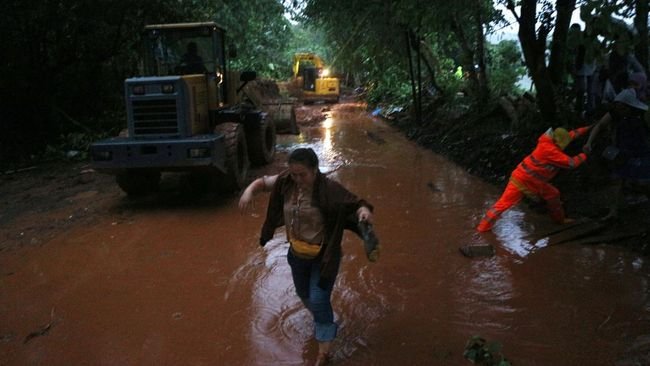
187 112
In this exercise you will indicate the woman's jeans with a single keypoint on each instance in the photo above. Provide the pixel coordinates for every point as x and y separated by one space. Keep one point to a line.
306 275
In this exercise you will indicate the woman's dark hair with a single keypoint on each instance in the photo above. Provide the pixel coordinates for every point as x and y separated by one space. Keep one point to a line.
304 156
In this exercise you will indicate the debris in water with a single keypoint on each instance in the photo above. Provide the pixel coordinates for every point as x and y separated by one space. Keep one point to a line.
375 138
483 250
43 330
480 352
433 187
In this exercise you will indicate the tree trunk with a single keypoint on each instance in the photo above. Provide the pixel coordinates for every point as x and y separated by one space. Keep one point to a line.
483 90
431 63
466 56
534 46
557 62
414 90
641 24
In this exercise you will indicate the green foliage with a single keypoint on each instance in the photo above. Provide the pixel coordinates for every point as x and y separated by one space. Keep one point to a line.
506 67
371 36
480 352
393 87
260 33
66 61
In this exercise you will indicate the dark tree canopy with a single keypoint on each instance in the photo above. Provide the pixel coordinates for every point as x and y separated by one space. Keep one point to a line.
65 60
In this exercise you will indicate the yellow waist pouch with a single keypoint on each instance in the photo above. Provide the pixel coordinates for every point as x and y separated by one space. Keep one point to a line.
304 249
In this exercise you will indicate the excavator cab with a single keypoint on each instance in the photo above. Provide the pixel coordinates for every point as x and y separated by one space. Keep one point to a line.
311 76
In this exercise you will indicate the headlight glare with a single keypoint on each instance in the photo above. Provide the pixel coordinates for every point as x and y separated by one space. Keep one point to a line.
138 89
198 152
102 155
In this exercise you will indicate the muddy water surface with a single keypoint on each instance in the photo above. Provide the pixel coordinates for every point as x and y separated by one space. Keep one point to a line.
189 284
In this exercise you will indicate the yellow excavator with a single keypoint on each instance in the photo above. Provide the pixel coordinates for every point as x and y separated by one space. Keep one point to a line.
312 77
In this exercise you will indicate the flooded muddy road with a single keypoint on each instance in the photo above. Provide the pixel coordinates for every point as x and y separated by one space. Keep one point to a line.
158 282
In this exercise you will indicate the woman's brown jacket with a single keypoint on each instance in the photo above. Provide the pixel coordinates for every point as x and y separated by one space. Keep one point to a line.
337 205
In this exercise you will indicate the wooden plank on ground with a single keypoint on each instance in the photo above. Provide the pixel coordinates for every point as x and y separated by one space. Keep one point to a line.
560 229
576 232
608 238
482 250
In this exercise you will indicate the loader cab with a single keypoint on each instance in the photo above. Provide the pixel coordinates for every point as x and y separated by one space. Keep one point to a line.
193 51
184 49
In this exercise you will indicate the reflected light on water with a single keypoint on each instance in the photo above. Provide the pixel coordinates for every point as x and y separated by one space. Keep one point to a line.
280 326
327 139
328 123
321 140
512 235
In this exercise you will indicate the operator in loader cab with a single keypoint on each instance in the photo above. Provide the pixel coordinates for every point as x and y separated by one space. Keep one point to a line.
191 62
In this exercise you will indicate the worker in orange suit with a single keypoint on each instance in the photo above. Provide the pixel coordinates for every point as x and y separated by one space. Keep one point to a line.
531 177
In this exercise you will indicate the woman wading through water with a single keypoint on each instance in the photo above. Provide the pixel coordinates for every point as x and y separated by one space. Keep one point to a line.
315 211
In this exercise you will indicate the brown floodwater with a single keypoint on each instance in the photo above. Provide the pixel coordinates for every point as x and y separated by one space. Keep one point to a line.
189 284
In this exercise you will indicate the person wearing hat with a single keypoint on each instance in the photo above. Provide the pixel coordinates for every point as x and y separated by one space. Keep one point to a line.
629 151
531 177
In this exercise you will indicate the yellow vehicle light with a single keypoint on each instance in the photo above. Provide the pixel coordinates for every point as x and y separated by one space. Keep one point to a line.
199 152
325 73
138 89
168 88
102 155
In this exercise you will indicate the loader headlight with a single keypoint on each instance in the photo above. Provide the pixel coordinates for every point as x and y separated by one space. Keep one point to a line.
325 73
102 155
198 152
168 88
138 89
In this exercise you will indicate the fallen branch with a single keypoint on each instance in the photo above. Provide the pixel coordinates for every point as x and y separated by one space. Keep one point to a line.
72 120
43 330
9 172
609 238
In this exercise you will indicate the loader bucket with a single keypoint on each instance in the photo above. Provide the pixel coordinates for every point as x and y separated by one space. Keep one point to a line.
266 95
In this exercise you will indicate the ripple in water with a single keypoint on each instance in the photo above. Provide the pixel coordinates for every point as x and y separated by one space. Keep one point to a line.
280 325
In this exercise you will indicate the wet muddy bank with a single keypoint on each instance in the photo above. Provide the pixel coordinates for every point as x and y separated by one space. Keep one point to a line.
485 146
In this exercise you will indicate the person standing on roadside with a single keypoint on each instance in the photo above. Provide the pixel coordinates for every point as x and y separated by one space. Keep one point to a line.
629 150
315 211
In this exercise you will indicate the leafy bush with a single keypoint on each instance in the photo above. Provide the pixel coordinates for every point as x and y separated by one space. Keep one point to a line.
506 67
392 86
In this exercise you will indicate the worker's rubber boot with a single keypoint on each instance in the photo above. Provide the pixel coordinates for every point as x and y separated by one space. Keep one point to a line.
491 216
556 211
484 226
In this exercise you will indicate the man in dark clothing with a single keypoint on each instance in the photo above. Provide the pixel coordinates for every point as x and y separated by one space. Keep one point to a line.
191 62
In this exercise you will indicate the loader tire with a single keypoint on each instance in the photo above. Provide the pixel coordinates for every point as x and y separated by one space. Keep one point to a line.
261 142
138 182
236 160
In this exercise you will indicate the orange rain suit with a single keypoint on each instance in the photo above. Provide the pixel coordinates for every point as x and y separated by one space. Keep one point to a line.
532 176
